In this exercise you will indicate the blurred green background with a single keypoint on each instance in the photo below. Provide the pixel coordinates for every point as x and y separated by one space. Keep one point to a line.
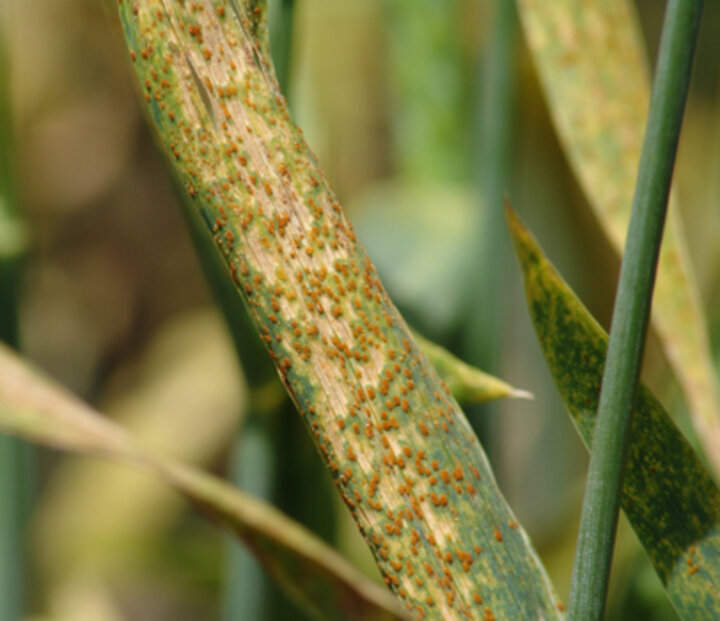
423 114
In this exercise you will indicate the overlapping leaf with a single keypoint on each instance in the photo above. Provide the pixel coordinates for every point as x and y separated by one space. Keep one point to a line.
592 65
313 574
668 496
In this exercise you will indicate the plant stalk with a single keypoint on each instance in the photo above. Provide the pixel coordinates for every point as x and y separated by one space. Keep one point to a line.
598 521
492 148
281 42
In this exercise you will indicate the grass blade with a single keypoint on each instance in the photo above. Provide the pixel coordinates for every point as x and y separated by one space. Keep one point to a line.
591 61
467 383
378 412
668 496
312 573
631 314
492 148
281 42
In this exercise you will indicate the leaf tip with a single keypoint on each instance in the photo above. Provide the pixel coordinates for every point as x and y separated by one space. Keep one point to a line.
515 225
518 393
526 248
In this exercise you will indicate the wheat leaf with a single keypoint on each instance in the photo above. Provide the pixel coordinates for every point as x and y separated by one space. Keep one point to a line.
312 573
401 452
669 498
591 61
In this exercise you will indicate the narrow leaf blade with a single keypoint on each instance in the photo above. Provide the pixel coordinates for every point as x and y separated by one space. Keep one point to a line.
467 383
378 412
591 61
311 572
668 496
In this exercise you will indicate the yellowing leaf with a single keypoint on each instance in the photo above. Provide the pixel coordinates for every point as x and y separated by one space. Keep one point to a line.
312 573
669 498
375 407
593 68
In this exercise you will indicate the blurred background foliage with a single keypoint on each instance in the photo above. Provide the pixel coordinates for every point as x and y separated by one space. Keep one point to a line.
423 114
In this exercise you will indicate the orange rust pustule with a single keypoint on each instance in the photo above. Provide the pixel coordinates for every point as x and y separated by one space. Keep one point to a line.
394 439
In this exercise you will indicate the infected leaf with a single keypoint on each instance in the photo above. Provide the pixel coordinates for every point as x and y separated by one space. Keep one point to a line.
400 450
313 574
669 498
591 61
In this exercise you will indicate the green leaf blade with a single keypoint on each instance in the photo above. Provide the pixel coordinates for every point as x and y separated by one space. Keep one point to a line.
467 383
668 496
591 62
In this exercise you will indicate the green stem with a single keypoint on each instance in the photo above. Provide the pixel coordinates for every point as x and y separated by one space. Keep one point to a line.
493 139
495 144
281 42
252 469
632 309
15 498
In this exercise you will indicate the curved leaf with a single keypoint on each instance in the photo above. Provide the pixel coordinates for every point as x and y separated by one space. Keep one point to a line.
312 573
400 450
668 496
592 64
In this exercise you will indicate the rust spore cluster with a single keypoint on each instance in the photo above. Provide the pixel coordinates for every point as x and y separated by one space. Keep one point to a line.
402 454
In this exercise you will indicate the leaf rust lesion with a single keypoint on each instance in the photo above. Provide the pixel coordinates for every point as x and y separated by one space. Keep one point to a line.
592 63
365 390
